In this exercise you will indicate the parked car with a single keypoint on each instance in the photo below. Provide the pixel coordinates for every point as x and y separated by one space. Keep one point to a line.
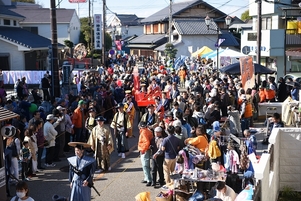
295 76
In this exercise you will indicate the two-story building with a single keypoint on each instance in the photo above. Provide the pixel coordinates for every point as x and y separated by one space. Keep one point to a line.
189 31
25 34
280 35
124 28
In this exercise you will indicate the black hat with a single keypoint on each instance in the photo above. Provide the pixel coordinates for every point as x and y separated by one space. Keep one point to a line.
142 124
150 105
119 105
80 145
100 118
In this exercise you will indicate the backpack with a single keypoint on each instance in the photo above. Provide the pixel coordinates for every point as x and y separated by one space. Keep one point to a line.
202 121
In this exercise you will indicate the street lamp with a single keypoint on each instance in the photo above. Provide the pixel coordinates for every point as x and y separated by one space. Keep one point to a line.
209 21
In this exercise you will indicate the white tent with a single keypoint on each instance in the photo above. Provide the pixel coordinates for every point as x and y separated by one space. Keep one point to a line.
231 53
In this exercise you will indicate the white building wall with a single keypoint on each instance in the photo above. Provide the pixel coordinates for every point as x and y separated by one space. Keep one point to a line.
74 30
62 31
267 8
197 42
16 58
286 162
132 30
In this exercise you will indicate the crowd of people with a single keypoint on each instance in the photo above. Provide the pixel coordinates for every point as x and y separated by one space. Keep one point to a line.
102 107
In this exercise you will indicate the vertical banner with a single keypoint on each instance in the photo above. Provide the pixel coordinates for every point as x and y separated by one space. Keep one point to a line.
97 32
247 71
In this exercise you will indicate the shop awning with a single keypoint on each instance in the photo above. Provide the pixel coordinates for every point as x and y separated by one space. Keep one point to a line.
7 114
293 52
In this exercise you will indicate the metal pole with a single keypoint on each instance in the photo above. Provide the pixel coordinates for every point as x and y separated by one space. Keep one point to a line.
217 53
92 36
285 58
170 22
55 83
104 5
259 26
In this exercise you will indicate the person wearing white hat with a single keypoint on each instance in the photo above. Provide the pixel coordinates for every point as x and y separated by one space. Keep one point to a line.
50 134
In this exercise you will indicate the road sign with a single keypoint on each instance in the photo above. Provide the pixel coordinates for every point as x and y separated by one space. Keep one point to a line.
77 1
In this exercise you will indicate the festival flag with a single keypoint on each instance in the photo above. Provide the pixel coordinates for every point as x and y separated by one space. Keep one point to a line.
247 71
118 44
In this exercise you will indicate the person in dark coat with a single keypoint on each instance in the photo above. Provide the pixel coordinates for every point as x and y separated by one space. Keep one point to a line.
45 87
281 93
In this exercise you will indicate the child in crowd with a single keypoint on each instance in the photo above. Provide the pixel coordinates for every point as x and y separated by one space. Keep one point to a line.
26 156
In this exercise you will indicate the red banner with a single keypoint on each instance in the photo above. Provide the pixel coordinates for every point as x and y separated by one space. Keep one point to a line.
247 72
118 44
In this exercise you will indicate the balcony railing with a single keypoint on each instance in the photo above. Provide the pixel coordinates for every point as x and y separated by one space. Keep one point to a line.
293 39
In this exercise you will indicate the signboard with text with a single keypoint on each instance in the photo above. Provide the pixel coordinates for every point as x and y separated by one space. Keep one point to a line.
247 71
97 32
77 1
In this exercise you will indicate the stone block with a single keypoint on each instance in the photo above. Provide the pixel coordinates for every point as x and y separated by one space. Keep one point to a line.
294 170
294 185
289 161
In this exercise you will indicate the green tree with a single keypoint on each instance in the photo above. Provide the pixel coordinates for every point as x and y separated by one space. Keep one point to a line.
85 32
245 16
108 42
70 45
170 51
26 1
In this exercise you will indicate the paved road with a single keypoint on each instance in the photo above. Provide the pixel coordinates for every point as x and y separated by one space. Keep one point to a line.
121 183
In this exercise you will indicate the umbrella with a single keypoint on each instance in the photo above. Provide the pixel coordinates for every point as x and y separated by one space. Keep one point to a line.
234 69
200 52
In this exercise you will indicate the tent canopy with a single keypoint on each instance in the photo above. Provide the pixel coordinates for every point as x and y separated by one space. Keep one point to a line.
234 69
231 53
200 52
213 54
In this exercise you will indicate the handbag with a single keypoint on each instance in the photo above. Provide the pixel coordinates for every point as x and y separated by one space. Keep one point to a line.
46 143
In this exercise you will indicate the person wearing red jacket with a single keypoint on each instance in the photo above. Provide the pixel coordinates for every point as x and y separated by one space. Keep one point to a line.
144 143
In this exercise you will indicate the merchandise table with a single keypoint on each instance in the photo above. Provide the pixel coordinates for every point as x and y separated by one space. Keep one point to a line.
263 107
199 181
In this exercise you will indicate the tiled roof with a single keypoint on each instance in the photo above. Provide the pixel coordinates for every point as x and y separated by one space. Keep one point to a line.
148 38
194 27
5 10
42 15
24 38
128 19
177 8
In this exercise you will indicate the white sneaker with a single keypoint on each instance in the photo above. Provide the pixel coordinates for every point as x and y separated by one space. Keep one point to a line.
123 155
119 154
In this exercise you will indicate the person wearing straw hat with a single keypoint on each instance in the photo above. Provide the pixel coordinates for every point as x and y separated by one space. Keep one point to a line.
101 142
81 172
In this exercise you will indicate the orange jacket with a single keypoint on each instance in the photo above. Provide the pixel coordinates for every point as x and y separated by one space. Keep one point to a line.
269 94
248 112
199 142
261 95
182 74
145 138
77 118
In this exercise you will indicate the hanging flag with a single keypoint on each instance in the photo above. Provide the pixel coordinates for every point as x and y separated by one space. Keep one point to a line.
219 42
247 71
118 44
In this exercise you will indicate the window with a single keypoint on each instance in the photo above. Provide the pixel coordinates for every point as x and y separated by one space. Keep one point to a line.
266 23
15 23
6 22
4 61
156 28
252 36
32 29
148 29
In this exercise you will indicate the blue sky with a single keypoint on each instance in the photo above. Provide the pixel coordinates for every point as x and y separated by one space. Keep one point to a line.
144 8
